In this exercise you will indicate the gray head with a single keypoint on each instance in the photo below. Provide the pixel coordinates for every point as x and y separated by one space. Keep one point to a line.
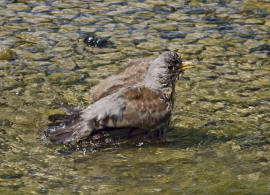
163 71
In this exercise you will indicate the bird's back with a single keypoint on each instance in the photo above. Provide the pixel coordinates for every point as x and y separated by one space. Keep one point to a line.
136 100
129 76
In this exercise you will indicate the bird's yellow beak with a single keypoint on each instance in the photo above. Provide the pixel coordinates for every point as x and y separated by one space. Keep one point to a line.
186 65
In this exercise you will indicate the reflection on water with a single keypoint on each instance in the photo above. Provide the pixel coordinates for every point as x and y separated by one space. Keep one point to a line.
219 141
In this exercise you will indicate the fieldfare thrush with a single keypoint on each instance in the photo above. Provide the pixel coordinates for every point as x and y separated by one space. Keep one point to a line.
137 100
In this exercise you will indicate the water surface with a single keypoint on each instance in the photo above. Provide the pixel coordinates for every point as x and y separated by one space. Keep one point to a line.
219 140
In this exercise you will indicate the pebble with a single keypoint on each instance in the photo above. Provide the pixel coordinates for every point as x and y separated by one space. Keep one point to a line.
6 53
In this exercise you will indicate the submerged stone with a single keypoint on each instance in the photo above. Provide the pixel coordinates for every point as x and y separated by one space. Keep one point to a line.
6 53
95 41
173 35
261 48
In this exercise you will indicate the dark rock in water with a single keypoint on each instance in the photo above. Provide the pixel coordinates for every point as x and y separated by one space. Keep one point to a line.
172 35
53 70
198 10
247 35
118 4
262 48
95 41
138 41
164 10
215 20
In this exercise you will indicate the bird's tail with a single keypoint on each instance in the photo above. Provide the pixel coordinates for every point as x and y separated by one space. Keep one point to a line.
59 136
62 127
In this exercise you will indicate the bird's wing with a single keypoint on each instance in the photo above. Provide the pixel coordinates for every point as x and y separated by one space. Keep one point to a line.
144 109
71 128
134 108
131 74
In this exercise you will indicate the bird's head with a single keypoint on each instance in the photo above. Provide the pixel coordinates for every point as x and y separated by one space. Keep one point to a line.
164 70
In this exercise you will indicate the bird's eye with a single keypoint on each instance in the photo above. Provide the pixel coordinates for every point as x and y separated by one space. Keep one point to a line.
170 67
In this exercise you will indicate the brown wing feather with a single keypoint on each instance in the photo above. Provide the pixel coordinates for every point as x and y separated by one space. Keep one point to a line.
145 108
144 112
138 109
130 75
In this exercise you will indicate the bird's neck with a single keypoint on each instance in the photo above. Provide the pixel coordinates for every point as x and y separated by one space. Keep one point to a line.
157 81
152 78
165 90
152 82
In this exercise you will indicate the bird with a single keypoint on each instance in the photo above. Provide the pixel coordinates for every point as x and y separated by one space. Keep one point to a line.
128 76
143 104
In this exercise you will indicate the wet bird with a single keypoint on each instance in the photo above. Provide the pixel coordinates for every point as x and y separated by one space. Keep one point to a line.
133 73
136 102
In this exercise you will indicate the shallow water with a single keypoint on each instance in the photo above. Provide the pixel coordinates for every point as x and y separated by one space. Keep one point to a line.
219 141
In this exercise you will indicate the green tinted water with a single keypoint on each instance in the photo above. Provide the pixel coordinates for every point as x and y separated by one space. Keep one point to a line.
219 142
